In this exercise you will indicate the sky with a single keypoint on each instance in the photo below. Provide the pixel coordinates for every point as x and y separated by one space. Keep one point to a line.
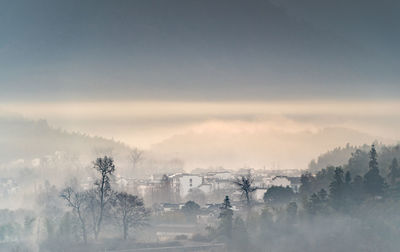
198 50
147 72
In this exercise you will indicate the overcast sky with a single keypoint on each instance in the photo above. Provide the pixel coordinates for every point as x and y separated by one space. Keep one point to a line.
198 50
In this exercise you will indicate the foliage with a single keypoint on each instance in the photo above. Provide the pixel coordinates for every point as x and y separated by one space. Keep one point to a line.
373 181
105 166
190 208
278 195
130 212
226 219
245 185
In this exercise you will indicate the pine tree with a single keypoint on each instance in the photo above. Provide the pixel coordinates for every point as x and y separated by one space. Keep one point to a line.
373 182
357 189
337 189
226 217
314 204
306 184
347 178
394 172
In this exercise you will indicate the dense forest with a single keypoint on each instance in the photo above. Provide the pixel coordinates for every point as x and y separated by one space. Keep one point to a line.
346 208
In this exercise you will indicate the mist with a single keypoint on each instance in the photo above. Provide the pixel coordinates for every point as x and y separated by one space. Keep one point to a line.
186 125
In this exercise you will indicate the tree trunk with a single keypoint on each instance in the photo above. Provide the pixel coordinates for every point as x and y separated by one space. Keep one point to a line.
83 226
125 231
96 235
84 235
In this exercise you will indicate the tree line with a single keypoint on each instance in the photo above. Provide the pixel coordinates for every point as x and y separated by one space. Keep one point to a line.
333 211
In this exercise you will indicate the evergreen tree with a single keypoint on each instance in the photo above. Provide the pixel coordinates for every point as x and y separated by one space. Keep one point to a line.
357 189
373 182
337 189
314 205
358 162
323 195
347 178
394 172
306 184
227 203
226 217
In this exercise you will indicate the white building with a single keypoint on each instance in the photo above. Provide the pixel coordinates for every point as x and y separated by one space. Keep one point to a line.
185 182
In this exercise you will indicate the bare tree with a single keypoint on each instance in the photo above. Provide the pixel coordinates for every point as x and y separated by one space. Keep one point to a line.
76 200
129 211
246 187
136 156
105 166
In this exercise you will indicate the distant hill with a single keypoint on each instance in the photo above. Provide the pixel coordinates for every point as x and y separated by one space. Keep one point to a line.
27 139
274 149
356 158
338 156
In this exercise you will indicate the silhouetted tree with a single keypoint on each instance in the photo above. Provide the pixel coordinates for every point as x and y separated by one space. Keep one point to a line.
323 195
306 184
357 190
373 181
358 163
347 178
77 201
105 166
314 204
129 211
226 217
246 187
278 195
394 172
337 189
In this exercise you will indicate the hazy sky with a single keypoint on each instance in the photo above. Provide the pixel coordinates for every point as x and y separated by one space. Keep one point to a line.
146 72
198 50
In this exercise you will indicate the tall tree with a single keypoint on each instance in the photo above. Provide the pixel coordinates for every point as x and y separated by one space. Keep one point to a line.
347 178
337 189
129 211
357 189
394 172
373 181
306 184
358 163
245 185
226 217
105 166
76 200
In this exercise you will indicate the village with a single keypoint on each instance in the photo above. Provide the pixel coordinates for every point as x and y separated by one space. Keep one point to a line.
170 196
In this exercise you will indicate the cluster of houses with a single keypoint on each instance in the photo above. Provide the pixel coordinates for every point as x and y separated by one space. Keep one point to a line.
167 195
178 188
